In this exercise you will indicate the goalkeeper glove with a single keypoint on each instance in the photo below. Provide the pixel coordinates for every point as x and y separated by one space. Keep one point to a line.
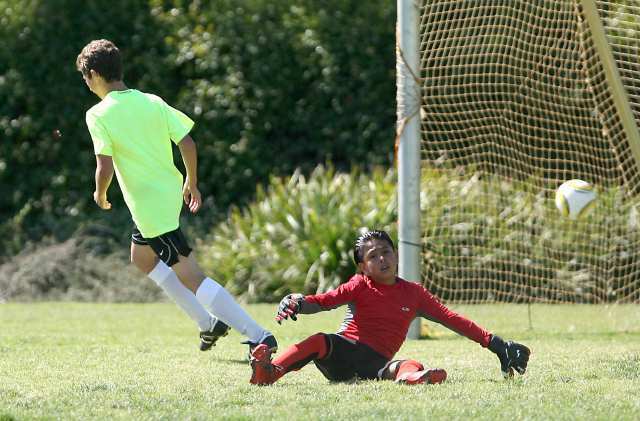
511 354
289 307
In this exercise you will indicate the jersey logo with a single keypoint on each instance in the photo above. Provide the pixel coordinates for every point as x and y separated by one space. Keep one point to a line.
405 309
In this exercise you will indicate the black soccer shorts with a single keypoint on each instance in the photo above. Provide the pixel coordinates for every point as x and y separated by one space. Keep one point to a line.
167 246
347 360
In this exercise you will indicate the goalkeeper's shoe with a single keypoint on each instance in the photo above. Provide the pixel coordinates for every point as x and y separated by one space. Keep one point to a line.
431 376
209 338
262 371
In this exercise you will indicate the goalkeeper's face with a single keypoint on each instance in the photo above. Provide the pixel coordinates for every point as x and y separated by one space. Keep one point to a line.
379 261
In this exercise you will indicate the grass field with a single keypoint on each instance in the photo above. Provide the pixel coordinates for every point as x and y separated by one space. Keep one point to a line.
140 361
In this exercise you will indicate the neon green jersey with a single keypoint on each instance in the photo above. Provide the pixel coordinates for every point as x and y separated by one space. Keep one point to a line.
136 130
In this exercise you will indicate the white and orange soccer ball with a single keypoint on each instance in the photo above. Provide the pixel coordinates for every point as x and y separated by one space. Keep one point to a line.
574 198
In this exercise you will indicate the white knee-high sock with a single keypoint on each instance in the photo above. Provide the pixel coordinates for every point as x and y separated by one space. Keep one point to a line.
183 297
218 301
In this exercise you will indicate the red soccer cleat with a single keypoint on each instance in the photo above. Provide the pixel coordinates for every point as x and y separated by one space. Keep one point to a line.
263 372
432 376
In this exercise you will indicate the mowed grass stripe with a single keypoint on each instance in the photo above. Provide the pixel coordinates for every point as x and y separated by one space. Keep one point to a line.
140 361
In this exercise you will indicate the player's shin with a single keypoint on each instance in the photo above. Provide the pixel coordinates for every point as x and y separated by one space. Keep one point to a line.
315 347
182 296
413 372
218 301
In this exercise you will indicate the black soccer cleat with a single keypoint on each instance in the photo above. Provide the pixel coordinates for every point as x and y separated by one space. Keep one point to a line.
267 339
209 338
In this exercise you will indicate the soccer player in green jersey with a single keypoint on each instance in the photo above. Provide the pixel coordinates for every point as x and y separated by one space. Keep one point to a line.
132 134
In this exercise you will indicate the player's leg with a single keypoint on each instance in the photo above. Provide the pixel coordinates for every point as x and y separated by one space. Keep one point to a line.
340 361
265 371
189 272
145 259
215 298
367 363
172 247
412 372
332 354
315 347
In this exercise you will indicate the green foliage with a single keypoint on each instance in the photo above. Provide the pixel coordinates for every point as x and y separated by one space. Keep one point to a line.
280 86
485 239
298 234
52 94
273 86
46 181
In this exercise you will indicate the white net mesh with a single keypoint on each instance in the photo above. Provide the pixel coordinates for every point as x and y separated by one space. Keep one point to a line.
515 100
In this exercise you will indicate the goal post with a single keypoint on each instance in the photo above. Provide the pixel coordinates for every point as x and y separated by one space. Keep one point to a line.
517 97
610 66
408 146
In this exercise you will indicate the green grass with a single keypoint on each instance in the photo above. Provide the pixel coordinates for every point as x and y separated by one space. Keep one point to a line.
140 361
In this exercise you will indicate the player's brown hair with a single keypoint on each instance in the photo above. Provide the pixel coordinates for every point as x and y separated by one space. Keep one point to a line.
103 57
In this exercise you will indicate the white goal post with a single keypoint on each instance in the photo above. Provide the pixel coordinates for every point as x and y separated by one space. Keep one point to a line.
408 146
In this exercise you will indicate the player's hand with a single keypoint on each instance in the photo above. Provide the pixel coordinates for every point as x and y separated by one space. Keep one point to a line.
289 307
101 200
512 355
192 196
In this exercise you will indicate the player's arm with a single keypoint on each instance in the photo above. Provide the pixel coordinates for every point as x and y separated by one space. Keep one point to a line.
512 355
190 192
293 304
104 175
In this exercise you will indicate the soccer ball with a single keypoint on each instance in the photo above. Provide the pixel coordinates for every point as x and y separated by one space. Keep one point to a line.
574 198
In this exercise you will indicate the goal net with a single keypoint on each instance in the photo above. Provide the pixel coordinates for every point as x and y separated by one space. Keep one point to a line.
519 96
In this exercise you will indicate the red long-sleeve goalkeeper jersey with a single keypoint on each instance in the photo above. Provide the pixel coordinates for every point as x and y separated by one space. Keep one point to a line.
379 315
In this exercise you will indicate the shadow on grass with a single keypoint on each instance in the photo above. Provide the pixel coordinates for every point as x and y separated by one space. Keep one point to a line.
235 361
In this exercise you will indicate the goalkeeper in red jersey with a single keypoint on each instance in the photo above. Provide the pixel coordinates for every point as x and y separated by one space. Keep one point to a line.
381 307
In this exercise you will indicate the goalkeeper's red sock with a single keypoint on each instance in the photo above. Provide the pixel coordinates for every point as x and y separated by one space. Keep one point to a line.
297 356
412 372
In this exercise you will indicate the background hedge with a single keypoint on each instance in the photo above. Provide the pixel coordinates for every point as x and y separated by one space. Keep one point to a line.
273 87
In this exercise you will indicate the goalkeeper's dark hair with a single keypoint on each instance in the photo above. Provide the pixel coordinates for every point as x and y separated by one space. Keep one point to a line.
365 238
103 57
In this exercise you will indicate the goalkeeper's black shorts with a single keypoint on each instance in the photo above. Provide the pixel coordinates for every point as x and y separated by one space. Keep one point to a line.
347 359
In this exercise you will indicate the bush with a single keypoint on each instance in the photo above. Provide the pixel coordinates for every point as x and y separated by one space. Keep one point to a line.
46 181
76 270
279 86
484 239
298 234
272 86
